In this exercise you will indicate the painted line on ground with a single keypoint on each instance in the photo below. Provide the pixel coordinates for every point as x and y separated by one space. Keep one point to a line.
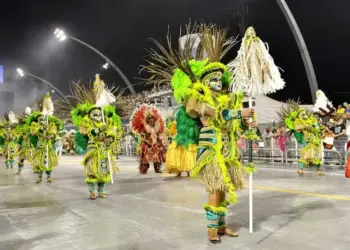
327 196
295 171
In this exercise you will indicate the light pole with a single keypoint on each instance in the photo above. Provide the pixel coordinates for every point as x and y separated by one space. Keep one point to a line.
22 73
310 72
61 36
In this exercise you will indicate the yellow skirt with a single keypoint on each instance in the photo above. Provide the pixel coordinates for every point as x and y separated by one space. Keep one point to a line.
179 159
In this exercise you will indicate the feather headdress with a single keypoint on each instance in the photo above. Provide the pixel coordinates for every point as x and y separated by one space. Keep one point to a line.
139 120
199 42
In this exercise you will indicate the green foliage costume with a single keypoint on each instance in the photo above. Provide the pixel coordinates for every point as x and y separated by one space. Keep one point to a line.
9 136
307 131
200 82
26 149
44 128
98 136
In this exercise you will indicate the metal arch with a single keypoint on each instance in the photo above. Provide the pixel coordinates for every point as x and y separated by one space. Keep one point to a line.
115 67
311 76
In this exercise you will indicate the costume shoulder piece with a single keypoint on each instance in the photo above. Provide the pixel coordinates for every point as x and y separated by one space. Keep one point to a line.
142 117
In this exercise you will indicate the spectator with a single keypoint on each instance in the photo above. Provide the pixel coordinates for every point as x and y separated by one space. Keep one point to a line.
267 133
347 107
128 144
341 109
283 138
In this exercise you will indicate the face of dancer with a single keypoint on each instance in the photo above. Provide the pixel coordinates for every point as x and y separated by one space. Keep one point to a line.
303 115
213 80
151 121
42 119
96 115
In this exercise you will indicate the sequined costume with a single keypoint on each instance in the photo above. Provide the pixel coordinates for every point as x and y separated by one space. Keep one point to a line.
308 132
44 128
147 123
200 82
97 137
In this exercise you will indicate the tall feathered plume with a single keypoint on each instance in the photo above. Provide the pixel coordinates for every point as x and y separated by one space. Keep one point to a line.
215 41
80 94
161 63
47 108
199 41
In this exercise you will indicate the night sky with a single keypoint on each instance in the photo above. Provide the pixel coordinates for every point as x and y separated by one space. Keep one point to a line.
121 28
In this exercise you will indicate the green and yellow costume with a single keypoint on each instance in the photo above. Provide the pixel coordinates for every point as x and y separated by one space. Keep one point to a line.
308 132
98 136
26 148
44 128
9 136
200 82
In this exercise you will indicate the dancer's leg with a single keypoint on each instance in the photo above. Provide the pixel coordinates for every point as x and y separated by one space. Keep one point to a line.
318 170
100 188
48 174
223 229
91 182
20 166
157 166
40 176
213 217
301 168
144 168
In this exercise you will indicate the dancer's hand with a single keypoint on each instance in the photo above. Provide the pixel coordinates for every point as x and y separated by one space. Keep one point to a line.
248 112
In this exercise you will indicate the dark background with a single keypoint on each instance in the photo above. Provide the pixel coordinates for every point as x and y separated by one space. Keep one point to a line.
120 29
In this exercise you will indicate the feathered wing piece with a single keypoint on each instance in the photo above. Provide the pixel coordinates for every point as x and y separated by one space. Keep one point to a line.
139 120
47 107
254 71
323 107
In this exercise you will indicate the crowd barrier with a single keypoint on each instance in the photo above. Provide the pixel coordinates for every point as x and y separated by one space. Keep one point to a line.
268 150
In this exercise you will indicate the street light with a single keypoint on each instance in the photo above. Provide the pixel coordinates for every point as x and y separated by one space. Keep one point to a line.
105 66
61 36
21 73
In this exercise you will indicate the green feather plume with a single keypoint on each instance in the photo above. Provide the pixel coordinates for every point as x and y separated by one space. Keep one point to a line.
187 128
81 143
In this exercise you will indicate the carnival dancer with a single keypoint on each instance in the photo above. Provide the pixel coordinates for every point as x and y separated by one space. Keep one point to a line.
308 132
44 128
10 136
200 82
26 147
98 131
148 124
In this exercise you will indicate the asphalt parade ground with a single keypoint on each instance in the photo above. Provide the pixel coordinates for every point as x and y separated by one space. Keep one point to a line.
159 211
